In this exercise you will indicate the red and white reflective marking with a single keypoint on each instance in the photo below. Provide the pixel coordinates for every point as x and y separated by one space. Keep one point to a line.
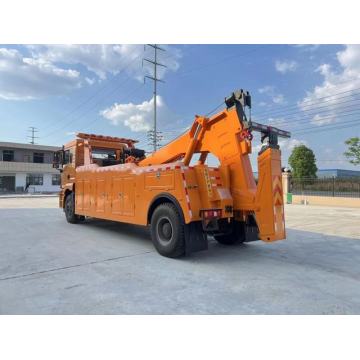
186 191
90 153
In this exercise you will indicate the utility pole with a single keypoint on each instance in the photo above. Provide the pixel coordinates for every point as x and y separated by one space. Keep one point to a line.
154 135
32 130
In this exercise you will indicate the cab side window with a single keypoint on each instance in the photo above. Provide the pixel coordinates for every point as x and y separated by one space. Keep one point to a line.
67 157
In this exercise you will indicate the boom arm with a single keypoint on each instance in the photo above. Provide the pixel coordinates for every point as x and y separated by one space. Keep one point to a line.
227 135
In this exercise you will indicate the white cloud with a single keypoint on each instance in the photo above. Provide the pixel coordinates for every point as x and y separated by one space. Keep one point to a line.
285 66
276 121
278 99
90 81
325 96
24 78
287 145
110 59
307 47
266 89
139 117
48 70
322 120
270 91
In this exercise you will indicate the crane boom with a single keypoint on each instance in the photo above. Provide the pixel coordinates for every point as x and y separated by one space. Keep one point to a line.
228 136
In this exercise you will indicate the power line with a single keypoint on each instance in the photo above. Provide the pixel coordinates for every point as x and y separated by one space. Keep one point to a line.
96 119
72 121
102 89
201 67
96 93
216 108
315 109
308 120
344 125
315 101
125 96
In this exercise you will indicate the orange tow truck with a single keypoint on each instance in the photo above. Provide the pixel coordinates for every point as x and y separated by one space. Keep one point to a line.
181 198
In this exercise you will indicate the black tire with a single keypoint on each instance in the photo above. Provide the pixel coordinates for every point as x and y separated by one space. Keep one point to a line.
167 231
227 239
69 209
236 236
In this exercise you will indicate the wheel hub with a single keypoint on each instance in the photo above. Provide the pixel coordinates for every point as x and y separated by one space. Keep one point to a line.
164 230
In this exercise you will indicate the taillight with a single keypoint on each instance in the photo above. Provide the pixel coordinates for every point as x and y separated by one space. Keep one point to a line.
211 213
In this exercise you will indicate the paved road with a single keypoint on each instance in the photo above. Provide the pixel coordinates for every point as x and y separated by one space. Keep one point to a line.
50 267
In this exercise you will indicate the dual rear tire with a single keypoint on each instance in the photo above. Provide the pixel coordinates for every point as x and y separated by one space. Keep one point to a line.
235 236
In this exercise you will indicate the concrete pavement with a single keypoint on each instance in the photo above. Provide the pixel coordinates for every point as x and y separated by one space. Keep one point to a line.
48 266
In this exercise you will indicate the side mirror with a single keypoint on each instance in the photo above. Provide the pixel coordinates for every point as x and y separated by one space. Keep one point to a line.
58 161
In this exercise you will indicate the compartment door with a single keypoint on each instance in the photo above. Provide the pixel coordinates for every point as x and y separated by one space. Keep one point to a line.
100 196
87 195
79 195
128 196
117 190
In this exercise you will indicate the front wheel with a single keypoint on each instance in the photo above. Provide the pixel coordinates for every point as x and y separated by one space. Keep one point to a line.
69 209
167 231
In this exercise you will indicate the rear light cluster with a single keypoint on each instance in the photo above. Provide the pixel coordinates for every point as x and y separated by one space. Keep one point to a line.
212 213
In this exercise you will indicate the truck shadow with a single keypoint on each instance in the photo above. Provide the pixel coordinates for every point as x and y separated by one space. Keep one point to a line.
301 248
330 253
137 233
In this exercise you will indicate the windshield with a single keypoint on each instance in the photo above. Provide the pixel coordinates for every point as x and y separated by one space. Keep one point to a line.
103 154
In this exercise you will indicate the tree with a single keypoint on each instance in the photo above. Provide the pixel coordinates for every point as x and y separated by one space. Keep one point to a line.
303 163
353 153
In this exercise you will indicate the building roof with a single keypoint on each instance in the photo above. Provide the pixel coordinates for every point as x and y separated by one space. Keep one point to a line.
346 170
12 145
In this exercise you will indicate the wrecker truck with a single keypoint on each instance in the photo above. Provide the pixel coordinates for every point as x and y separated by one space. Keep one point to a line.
182 199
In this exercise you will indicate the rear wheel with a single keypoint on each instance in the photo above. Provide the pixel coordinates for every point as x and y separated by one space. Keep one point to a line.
69 209
167 231
227 239
236 236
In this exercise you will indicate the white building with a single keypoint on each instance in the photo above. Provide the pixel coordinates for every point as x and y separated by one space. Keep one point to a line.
27 167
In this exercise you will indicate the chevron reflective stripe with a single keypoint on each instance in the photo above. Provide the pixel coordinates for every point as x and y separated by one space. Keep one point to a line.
278 204
277 190
186 192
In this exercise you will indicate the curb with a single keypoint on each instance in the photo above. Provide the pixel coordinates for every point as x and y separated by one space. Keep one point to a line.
27 196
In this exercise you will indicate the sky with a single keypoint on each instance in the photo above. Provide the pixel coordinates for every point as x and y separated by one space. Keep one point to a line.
313 91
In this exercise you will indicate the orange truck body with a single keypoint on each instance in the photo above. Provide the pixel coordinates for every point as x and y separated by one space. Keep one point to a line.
207 198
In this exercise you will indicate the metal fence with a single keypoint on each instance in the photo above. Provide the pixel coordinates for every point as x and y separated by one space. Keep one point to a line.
334 187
